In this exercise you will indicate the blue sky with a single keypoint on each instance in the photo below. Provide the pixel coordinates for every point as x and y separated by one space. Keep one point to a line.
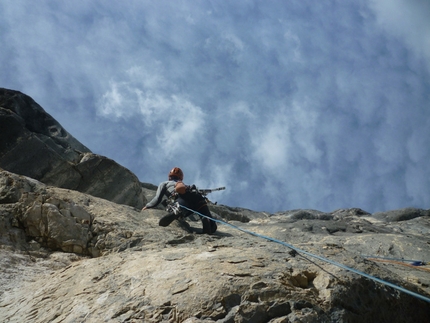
289 104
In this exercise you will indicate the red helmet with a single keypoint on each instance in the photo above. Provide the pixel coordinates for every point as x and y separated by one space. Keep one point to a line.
176 172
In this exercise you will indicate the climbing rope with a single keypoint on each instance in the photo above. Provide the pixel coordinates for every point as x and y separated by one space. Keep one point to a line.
401 263
399 288
412 262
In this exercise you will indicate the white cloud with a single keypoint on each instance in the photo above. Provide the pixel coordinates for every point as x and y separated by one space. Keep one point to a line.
409 20
183 126
287 137
293 43
272 145
174 122
112 102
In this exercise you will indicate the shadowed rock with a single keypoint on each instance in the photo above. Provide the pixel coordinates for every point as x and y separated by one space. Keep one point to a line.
401 215
34 144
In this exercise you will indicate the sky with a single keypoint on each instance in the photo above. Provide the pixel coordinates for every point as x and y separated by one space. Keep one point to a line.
292 104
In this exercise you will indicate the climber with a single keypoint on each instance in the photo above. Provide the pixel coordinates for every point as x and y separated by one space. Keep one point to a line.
186 196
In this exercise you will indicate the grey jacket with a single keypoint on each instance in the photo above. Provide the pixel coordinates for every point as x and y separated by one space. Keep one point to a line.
164 189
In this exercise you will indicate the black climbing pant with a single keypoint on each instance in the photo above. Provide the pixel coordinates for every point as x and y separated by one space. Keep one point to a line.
209 225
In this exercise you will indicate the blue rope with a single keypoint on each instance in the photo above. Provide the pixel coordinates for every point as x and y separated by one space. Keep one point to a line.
404 290
413 262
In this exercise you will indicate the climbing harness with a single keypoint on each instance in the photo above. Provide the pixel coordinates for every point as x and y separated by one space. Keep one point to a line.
376 279
172 206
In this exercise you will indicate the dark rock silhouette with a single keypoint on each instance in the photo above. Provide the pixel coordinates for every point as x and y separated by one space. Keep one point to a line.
34 144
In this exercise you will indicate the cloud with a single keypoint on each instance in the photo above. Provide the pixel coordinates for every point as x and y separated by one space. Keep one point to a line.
409 21
173 122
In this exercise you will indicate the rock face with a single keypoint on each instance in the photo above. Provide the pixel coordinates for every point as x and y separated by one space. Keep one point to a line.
34 144
66 256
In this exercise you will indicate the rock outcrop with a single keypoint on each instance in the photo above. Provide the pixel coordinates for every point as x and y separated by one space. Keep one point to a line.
72 257
34 144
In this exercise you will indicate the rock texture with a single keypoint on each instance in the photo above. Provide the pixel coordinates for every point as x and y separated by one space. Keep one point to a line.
71 257
34 144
